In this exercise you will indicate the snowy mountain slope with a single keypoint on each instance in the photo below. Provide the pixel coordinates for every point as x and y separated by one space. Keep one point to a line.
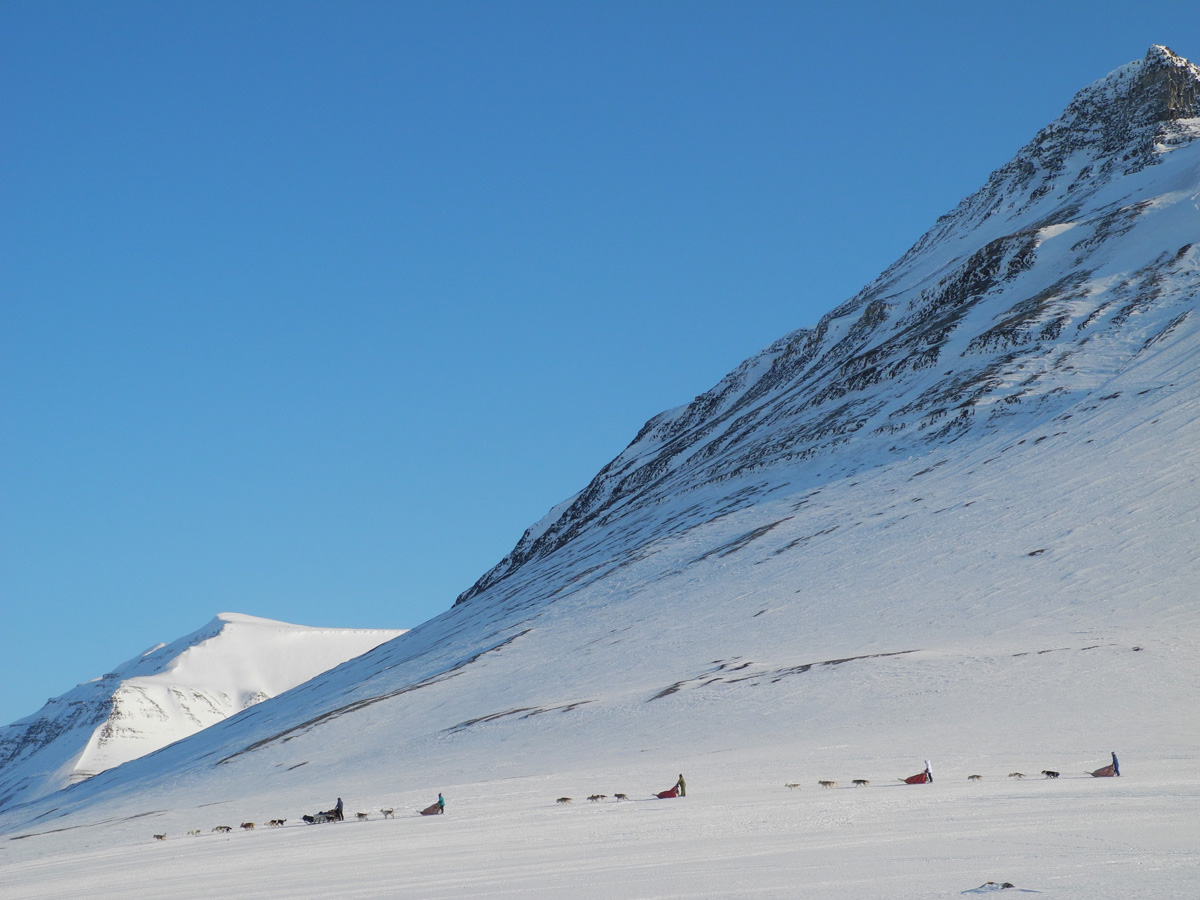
165 694
1073 259
858 637
946 523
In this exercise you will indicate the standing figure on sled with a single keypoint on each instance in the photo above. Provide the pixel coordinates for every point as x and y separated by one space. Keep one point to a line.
679 789
326 815
925 777
1111 771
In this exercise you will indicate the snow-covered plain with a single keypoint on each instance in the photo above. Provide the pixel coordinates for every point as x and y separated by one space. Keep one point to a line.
739 833
1016 597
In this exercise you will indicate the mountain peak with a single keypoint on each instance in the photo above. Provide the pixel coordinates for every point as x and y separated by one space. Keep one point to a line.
1115 126
1157 89
166 693
1162 55
243 619
1170 81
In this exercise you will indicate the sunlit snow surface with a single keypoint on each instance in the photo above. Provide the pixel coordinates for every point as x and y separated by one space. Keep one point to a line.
1020 598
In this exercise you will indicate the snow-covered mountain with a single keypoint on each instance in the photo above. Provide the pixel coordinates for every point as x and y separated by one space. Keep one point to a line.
956 520
1073 261
167 693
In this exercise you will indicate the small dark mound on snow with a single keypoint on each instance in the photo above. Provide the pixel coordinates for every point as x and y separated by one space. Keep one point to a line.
988 886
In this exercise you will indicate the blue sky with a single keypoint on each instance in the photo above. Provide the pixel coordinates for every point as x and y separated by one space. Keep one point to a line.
308 310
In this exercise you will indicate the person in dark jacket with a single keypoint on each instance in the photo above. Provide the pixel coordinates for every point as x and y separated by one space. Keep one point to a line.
337 810
1116 765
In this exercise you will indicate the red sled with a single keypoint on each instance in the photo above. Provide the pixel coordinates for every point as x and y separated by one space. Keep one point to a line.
916 779
663 795
431 810
1106 772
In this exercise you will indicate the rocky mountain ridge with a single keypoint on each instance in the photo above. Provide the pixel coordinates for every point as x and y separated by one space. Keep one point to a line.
994 312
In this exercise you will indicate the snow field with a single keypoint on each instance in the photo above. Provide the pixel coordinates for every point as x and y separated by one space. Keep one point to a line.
975 706
738 833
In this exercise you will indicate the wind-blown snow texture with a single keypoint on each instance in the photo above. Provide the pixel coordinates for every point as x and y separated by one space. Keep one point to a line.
165 694
955 521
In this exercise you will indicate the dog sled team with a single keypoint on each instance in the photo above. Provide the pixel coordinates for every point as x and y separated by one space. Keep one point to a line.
679 789
926 776
336 814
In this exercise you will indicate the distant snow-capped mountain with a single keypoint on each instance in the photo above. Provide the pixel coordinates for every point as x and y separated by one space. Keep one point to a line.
165 694
959 512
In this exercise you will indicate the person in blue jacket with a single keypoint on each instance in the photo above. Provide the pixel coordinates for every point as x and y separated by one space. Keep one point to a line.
1116 765
441 804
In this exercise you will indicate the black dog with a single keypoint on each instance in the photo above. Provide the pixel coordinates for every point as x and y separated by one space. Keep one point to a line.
1049 774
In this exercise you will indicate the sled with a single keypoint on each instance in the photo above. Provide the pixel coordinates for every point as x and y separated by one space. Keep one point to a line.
663 795
920 778
1106 772
431 810
320 818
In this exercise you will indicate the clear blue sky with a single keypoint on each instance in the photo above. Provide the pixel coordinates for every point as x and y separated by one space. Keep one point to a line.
309 309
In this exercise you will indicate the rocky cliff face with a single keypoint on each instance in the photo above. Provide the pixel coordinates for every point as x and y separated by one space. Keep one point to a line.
1083 247
167 693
